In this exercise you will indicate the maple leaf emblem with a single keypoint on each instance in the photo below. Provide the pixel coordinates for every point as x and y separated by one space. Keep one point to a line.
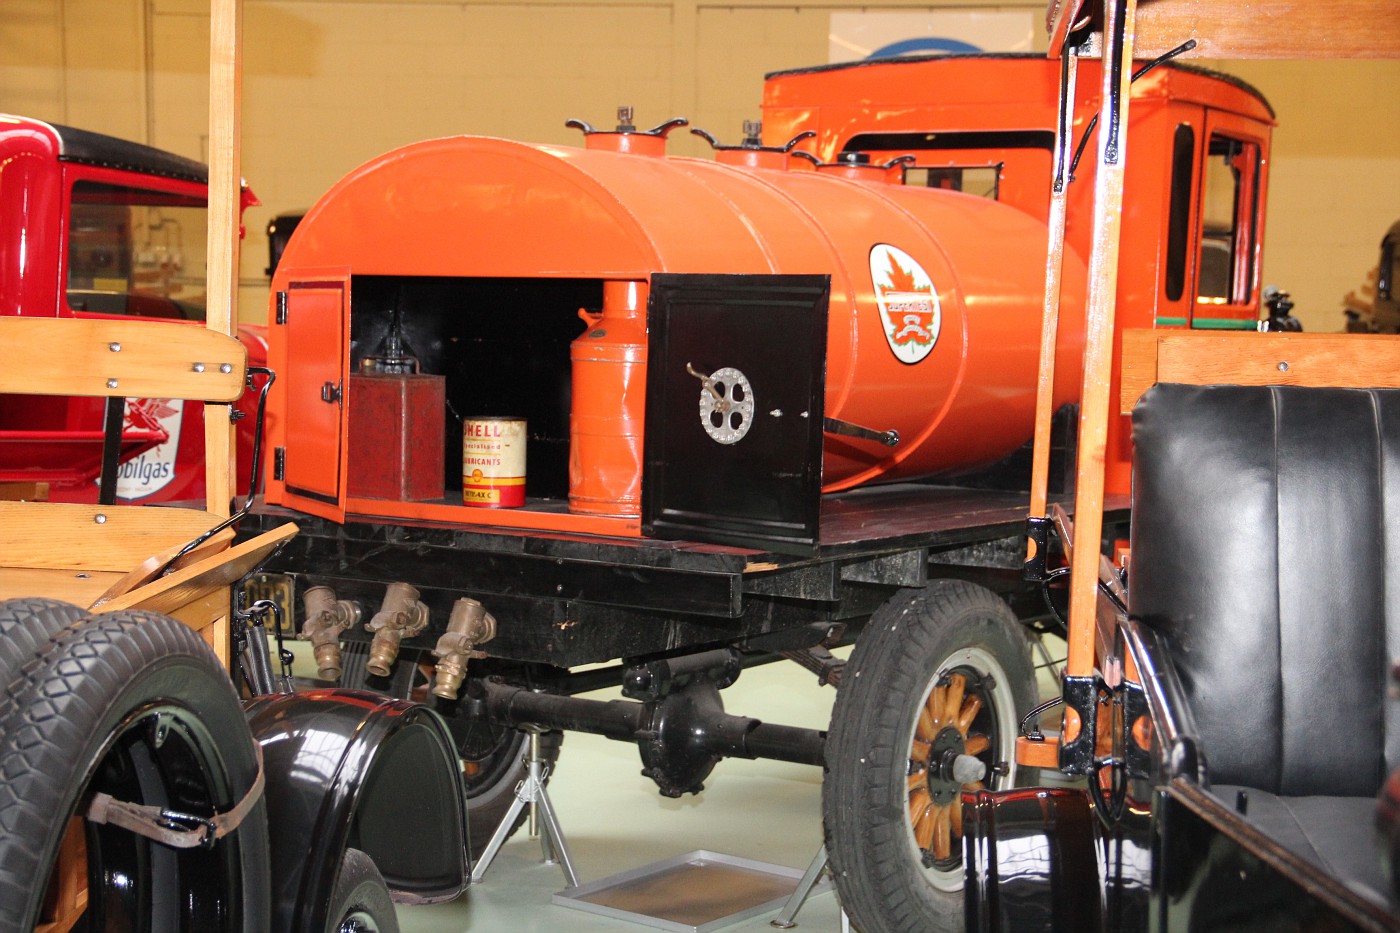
901 279
908 303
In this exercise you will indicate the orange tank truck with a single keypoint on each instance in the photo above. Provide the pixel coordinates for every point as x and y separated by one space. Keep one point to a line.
488 252
1194 195
774 402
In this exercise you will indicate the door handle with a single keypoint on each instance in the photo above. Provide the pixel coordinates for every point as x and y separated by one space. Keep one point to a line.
330 393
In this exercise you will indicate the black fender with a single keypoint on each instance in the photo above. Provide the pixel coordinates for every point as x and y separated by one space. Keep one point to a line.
351 768
1033 862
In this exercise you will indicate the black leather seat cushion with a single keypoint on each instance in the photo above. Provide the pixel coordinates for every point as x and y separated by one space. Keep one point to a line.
1329 832
1264 523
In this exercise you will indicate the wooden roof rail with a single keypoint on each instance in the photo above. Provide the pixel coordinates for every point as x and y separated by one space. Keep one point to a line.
1278 29
1246 358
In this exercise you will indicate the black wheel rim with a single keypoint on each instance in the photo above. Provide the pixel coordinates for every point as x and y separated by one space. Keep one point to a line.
489 753
160 755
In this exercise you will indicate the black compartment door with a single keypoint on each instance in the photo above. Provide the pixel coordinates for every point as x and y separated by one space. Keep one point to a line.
736 378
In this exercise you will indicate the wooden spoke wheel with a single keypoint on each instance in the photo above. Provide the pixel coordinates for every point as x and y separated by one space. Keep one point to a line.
939 756
928 708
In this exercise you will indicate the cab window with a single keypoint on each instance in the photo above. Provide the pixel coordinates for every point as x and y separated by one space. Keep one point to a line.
1225 266
979 180
136 251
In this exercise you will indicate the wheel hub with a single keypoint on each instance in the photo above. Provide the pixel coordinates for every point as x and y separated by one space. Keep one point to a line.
938 767
941 759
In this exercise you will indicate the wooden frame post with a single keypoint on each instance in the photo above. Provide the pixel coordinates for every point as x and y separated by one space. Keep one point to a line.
1119 19
225 215
1054 268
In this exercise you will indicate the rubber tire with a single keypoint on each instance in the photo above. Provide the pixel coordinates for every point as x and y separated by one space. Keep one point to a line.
882 883
491 793
26 625
361 902
83 716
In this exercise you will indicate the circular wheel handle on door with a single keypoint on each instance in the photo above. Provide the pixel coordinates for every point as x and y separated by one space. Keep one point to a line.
726 403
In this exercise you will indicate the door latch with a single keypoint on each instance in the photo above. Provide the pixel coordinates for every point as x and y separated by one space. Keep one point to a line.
330 393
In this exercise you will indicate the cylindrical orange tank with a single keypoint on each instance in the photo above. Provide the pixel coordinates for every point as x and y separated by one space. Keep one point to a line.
609 404
935 295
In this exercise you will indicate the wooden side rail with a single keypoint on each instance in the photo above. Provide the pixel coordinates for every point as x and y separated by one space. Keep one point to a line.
120 358
1243 358
186 593
54 535
86 554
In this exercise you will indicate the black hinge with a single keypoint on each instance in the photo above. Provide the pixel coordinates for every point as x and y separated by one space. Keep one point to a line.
279 463
281 307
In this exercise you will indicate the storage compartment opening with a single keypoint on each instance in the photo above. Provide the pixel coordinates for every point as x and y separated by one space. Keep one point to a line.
502 346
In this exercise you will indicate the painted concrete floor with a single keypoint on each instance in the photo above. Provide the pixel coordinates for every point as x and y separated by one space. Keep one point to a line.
614 821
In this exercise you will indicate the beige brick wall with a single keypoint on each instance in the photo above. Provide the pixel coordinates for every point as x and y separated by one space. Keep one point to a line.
331 83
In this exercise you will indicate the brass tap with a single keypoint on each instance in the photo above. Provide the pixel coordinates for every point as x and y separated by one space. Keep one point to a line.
401 616
326 618
469 626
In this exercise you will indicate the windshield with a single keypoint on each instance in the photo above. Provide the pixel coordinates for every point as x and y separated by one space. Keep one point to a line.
136 251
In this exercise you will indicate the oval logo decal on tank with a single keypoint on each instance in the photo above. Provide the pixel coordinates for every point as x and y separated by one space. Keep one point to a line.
908 302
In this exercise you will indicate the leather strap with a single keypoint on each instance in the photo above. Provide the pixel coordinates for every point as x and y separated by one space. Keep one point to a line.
177 830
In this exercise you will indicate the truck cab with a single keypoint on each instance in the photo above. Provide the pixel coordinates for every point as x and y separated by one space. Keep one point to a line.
97 227
1194 192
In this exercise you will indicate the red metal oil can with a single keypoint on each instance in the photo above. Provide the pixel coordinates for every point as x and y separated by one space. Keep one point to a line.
396 431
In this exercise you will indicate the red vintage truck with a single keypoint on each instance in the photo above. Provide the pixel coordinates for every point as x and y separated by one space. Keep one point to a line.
98 227
138 778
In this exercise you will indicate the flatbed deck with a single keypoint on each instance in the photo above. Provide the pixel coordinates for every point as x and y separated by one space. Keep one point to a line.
566 599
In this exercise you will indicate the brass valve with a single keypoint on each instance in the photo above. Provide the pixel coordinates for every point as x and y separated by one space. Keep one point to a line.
326 618
469 626
401 616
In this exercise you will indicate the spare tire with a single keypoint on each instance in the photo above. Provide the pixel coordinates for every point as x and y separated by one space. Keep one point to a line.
134 705
26 625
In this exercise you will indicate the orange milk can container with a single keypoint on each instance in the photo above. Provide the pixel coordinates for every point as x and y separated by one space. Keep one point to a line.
493 462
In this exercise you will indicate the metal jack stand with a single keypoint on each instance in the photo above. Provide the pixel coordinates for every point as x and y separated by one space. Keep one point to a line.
531 791
786 917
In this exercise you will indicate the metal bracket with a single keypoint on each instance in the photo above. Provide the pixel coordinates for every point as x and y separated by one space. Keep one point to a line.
1030 723
1038 533
172 828
1081 696
1136 756
889 438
